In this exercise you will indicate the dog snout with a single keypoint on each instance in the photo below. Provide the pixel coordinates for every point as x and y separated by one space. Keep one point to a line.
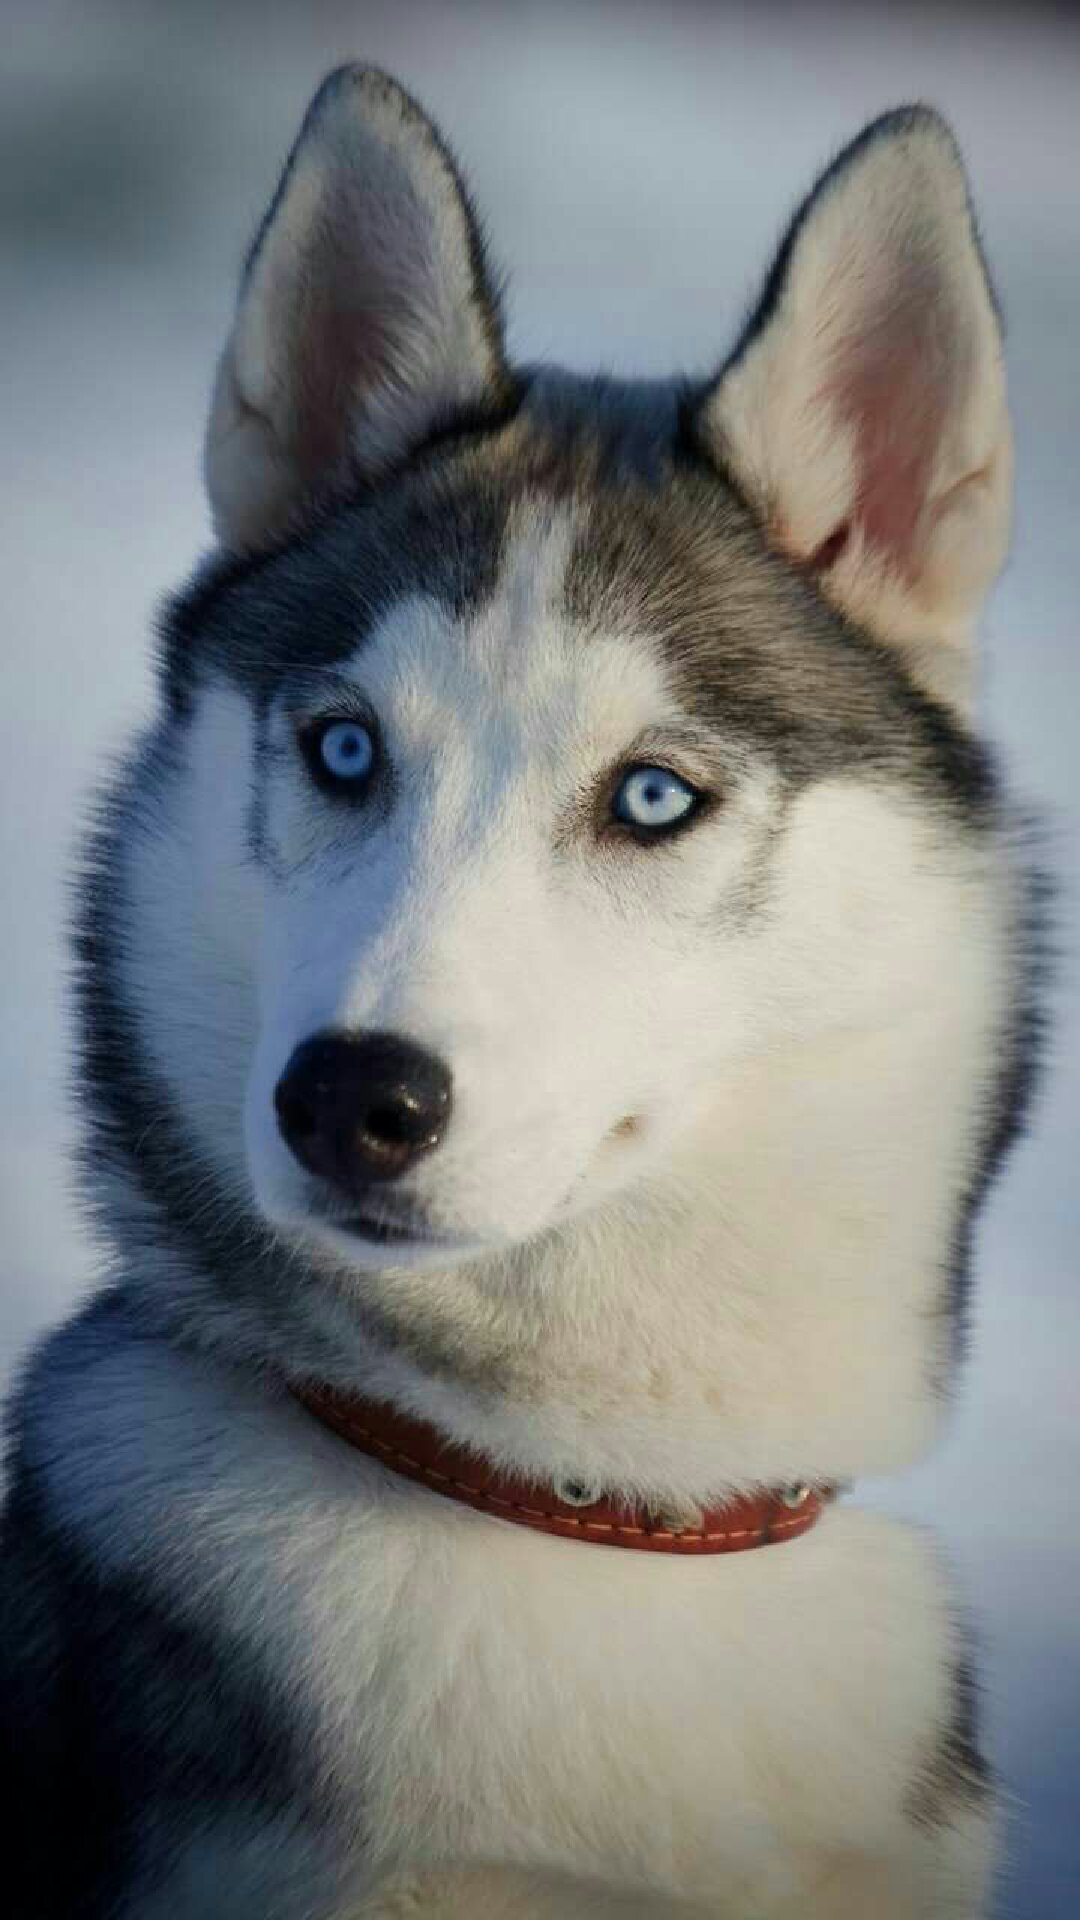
357 1109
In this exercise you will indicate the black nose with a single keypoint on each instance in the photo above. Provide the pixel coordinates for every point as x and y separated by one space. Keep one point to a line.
356 1110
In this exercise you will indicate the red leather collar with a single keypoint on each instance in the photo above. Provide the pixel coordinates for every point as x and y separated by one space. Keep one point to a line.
420 1452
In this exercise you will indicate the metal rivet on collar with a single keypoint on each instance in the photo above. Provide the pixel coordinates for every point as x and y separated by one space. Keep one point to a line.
578 1493
795 1496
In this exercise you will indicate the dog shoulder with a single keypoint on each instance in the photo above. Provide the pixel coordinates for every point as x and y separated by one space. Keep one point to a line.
131 1730
33 1734
116 1428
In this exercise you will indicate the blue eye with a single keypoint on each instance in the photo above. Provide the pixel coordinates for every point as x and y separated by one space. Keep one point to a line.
344 753
653 797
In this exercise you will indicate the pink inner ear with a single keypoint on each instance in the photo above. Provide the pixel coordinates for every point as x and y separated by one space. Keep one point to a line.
893 389
351 309
333 359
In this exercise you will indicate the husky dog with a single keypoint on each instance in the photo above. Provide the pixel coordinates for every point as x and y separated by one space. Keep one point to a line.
556 969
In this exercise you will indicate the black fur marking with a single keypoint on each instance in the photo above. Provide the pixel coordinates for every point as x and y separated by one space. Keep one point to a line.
309 602
600 430
120 1721
755 649
1015 1083
955 1778
465 426
258 851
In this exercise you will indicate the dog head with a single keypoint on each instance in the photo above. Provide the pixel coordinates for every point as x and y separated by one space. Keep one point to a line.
557 751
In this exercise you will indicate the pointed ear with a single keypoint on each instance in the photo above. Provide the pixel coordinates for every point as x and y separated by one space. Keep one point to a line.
864 412
366 317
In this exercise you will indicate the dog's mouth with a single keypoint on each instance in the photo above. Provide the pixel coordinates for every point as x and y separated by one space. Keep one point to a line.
381 1229
385 1233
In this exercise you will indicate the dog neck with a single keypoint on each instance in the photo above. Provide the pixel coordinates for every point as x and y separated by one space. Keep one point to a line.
567 1509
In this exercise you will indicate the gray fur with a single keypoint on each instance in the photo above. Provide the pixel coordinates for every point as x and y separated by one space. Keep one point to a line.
133 1726
956 1778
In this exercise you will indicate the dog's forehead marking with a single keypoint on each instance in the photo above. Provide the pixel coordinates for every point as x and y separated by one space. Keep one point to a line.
520 666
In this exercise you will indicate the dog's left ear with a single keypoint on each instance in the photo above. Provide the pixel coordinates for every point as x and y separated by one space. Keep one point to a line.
366 318
864 414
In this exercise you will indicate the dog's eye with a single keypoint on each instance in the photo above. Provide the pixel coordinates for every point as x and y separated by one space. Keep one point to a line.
653 798
340 753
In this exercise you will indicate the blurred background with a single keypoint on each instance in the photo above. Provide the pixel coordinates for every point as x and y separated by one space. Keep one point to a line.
635 164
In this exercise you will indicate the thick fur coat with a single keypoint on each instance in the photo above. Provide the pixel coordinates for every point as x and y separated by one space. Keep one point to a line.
674 847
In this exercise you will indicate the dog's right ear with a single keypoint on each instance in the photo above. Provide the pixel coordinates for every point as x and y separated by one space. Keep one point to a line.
366 317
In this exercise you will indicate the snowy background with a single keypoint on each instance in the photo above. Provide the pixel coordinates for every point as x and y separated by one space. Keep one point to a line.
635 163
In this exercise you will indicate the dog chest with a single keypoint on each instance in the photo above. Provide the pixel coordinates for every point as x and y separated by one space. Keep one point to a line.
467 1689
